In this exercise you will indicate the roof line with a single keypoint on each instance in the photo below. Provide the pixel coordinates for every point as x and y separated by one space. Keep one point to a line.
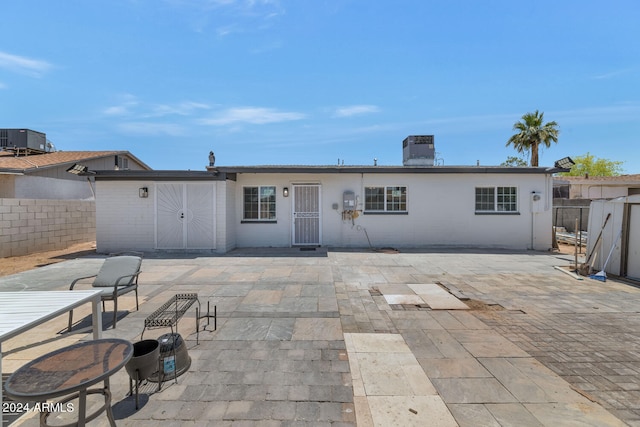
385 169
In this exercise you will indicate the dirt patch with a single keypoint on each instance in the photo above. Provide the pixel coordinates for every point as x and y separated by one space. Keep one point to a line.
477 305
564 248
17 264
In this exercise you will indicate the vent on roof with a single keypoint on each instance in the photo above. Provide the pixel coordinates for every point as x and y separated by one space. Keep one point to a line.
25 141
418 150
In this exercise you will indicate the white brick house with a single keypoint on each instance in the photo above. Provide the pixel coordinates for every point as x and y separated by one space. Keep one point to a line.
42 207
334 206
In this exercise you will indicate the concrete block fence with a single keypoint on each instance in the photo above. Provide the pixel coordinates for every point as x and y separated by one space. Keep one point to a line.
35 225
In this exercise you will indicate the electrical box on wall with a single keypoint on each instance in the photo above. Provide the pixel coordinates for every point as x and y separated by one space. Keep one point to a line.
349 201
537 202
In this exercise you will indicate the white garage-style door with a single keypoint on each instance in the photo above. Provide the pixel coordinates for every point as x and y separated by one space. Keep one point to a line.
185 216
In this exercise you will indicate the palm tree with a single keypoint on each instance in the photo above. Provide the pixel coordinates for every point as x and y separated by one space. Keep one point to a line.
532 133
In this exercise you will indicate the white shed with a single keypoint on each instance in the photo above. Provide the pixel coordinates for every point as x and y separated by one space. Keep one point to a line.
621 232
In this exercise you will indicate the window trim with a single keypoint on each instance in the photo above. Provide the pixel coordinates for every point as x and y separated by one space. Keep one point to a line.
385 201
496 203
260 220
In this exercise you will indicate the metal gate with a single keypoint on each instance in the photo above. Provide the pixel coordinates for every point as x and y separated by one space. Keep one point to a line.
306 215
185 216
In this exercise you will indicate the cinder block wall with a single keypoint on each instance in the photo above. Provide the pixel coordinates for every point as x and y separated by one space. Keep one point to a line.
36 225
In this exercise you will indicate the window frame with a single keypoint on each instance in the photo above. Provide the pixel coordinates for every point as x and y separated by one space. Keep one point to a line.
259 208
503 200
386 200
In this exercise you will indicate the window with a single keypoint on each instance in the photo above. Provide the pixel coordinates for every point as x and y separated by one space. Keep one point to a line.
260 203
385 199
122 162
496 199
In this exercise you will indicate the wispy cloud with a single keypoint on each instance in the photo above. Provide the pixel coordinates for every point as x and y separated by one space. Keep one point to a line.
2 86
229 17
355 110
24 65
151 129
611 74
181 109
125 105
130 105
251 115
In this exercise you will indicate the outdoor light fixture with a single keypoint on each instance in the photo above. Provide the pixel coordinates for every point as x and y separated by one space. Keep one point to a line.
78 169
143 192
564 163
285 192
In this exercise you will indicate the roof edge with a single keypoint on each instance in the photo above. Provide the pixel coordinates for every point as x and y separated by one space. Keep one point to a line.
155 175
385 169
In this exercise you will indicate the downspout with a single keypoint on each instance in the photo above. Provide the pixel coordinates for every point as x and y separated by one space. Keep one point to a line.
91 187
532 217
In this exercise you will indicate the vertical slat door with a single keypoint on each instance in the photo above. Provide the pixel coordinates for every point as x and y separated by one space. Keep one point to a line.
200 225
169 208
185 217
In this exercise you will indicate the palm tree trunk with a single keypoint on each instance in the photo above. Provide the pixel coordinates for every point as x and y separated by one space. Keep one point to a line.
534 154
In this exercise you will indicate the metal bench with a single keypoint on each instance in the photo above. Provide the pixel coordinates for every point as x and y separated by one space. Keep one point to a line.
168 315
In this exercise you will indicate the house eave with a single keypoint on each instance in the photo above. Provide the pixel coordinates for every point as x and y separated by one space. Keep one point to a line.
385 169
155 175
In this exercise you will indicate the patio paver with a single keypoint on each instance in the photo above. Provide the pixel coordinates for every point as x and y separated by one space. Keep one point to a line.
541 349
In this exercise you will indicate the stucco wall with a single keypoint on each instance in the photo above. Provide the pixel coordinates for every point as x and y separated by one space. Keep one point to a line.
441 212
229 223
7 186
125 221
39 187
597 191
36 225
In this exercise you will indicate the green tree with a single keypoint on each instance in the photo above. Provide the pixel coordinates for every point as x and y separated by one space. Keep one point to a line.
589 164
513 161
533 132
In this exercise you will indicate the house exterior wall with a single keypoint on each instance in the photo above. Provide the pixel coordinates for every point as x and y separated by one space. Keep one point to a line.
125 221
7 186
229 223
597 191
441 211
36 225
40 187
55 182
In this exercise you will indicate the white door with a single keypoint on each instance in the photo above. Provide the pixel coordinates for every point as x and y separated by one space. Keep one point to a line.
633 248
306 215
185 216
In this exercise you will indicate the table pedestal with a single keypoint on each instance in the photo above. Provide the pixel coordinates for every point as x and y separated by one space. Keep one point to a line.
83 418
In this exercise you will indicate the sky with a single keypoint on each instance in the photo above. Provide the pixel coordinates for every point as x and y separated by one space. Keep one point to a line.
315 82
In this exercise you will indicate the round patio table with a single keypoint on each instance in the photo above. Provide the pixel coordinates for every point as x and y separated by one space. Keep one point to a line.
71 371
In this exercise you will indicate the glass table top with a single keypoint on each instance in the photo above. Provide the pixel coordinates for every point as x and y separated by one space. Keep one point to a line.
69 369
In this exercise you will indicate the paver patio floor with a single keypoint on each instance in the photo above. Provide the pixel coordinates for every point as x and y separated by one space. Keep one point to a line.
537 348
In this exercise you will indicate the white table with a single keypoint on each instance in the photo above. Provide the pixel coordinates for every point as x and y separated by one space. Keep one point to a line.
21 311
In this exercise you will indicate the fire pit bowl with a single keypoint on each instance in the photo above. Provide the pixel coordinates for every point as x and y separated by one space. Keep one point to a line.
145 359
